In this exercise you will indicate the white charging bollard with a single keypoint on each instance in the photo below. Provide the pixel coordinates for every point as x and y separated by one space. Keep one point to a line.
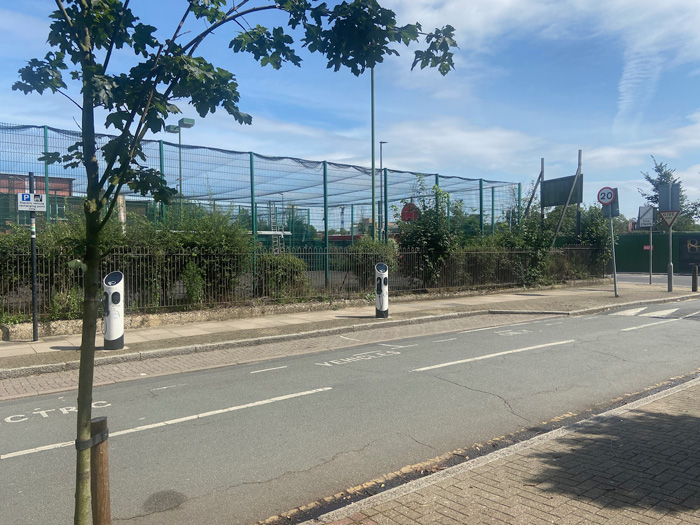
113 304
381 275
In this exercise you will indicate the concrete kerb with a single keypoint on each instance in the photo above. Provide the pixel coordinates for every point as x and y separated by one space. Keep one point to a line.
597 309
421 483
225 345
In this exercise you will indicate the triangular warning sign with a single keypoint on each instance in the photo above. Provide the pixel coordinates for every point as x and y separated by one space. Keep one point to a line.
669 217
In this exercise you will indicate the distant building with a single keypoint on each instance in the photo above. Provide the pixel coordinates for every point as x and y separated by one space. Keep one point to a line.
59 186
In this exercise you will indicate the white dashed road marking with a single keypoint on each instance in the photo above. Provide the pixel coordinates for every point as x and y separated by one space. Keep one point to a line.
489 356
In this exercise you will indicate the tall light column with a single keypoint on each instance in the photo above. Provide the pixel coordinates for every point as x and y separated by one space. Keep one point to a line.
374 191
383 192
182 123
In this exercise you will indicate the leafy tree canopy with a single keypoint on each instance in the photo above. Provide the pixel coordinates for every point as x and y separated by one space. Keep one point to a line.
86 35
662 176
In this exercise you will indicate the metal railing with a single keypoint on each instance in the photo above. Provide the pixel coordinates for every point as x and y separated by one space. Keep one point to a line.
159 281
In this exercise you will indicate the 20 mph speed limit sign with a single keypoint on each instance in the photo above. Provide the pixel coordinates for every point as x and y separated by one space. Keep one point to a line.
606 196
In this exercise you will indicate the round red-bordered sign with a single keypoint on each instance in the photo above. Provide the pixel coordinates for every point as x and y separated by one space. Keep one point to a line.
606 196
410 212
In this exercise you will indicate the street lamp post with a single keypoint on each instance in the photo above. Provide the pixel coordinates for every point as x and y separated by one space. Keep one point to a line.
182 123
383 192
374 203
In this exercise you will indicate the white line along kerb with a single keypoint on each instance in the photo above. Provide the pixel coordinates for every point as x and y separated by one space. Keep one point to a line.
489 356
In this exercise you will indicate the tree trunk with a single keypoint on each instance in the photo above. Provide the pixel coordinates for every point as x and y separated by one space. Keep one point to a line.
87 366
93 211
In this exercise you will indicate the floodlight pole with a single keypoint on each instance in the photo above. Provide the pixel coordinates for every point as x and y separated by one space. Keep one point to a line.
384 193
374 204
182 123
670 241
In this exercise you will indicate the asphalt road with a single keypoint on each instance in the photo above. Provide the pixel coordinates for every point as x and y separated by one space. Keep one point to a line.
238 444
680 282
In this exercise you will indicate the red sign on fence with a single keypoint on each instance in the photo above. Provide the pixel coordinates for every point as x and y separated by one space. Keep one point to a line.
648 246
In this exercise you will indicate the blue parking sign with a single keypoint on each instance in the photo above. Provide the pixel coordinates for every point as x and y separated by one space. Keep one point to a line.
26 197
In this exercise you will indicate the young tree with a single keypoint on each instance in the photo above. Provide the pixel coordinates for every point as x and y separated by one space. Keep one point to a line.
87 34
663 175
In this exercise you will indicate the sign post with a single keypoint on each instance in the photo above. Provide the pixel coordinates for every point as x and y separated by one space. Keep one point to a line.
32 202
608 198
669 197
647 215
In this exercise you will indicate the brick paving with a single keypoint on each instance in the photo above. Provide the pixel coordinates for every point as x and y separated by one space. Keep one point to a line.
637 464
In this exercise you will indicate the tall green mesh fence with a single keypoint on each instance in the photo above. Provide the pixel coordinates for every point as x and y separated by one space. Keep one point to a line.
290 197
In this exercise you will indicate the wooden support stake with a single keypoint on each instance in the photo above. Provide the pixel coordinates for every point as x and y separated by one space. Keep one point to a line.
99 477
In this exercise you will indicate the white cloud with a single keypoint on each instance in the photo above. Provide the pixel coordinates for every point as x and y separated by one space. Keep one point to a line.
456 143
654 35
690 179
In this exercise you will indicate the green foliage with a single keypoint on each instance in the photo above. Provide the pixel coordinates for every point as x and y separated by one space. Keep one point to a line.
361 257
160 68
86 36
193 278
66 305
280 276
430 234
689 212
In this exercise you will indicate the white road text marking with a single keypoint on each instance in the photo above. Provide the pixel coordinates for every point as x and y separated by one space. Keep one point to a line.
171 422
44 413
364 356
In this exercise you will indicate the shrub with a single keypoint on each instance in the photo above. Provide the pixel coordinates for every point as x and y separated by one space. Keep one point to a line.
193 278
280 276
362 256
66 305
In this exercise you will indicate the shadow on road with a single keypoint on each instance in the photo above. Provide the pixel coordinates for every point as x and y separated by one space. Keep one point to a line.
644 460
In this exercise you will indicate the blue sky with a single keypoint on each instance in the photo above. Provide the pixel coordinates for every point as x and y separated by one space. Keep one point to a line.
618 79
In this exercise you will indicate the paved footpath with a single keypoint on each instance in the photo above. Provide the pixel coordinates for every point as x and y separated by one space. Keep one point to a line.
637 464
51 364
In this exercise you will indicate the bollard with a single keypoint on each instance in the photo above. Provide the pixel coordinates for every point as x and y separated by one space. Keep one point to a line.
99 472
695 278
381 274
113 304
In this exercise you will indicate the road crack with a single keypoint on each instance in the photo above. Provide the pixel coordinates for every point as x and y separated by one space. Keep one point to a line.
414 439
503 400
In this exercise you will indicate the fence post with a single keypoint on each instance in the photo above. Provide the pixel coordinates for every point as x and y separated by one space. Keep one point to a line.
481 207
46 174
99 473
493 210
352 224
291 226
520 201
161 154
253 209
325 221
437 187
386 206
448 212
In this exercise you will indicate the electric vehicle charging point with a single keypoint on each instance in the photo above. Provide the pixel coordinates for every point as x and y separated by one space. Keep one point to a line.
113 305
381 275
